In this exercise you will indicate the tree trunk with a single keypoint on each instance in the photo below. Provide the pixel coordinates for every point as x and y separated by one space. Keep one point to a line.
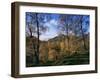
83 35
68 38
37 55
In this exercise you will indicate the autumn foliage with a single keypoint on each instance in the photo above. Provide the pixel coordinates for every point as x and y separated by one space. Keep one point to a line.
68 44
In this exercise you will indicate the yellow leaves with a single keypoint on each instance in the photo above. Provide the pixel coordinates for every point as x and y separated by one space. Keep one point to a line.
43 52
54 49
62 45
52 54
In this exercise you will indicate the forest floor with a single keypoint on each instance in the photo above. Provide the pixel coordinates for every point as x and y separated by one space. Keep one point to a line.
75 59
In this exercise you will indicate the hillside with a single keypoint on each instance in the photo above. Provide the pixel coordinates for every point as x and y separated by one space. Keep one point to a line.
55 51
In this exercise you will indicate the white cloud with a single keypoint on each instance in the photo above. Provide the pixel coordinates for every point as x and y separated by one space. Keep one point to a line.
51 23
54 22
52 32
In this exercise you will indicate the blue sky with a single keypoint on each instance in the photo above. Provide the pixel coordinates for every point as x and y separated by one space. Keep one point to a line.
52 32
52 25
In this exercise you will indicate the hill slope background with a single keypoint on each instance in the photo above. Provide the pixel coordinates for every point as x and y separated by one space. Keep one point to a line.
55 51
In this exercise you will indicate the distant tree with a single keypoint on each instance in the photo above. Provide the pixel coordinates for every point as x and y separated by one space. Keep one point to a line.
82 28
31 31
65 28
34 28
84 24
43 56
73 27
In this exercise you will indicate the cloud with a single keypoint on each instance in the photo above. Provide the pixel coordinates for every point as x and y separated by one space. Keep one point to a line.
51 23
54 22
52 32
